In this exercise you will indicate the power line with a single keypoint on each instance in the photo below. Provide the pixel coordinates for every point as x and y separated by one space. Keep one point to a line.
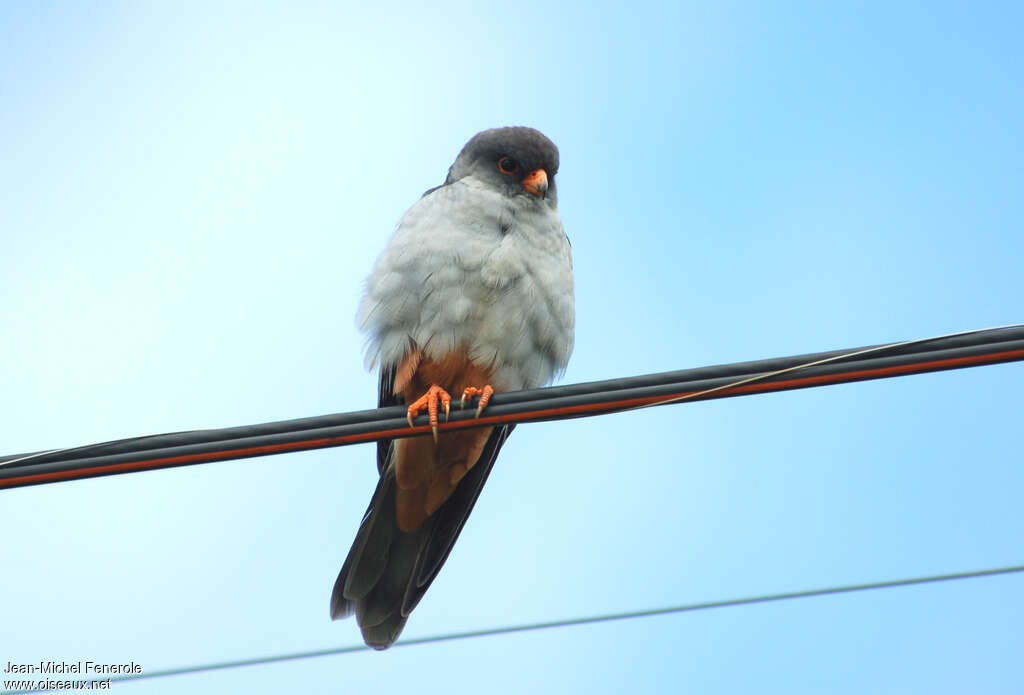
571 622
968 349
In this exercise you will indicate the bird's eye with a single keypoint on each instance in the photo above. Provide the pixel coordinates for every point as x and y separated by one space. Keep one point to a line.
507 165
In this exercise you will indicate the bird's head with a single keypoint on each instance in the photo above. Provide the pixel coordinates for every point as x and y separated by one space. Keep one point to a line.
516 161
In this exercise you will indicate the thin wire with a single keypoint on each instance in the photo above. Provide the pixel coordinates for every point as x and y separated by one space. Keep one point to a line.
28 457
568 622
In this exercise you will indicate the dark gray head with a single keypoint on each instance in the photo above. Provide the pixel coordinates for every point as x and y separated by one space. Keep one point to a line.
517 161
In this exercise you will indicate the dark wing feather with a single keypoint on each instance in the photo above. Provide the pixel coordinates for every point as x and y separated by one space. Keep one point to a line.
385 399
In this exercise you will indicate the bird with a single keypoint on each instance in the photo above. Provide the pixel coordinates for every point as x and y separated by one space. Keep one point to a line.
473 294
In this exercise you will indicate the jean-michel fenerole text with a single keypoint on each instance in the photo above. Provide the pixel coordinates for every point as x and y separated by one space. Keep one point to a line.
85 668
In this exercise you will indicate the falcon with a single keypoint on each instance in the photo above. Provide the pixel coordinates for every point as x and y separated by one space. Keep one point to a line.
472 295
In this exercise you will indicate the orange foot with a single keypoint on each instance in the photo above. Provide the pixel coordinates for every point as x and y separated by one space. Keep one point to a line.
485 394
429 399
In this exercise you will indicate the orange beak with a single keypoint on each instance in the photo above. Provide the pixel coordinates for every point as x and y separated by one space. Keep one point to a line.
536 183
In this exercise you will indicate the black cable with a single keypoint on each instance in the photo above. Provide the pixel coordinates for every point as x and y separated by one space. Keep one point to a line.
972 348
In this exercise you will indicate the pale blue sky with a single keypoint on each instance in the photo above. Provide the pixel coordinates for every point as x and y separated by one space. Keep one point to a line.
191 197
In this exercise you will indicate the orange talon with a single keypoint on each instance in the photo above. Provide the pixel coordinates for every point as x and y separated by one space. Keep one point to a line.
485 394
429 399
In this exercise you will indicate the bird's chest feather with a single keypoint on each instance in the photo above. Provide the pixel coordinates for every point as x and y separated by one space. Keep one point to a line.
480 272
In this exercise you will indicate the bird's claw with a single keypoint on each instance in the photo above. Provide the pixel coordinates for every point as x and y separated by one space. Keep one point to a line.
485 394
434 394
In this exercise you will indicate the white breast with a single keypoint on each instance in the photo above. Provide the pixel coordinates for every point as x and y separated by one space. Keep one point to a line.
470 266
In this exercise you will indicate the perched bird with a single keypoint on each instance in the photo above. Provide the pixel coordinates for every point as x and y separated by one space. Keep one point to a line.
474 293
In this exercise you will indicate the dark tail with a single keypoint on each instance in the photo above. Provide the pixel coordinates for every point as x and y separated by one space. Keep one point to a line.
387 571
